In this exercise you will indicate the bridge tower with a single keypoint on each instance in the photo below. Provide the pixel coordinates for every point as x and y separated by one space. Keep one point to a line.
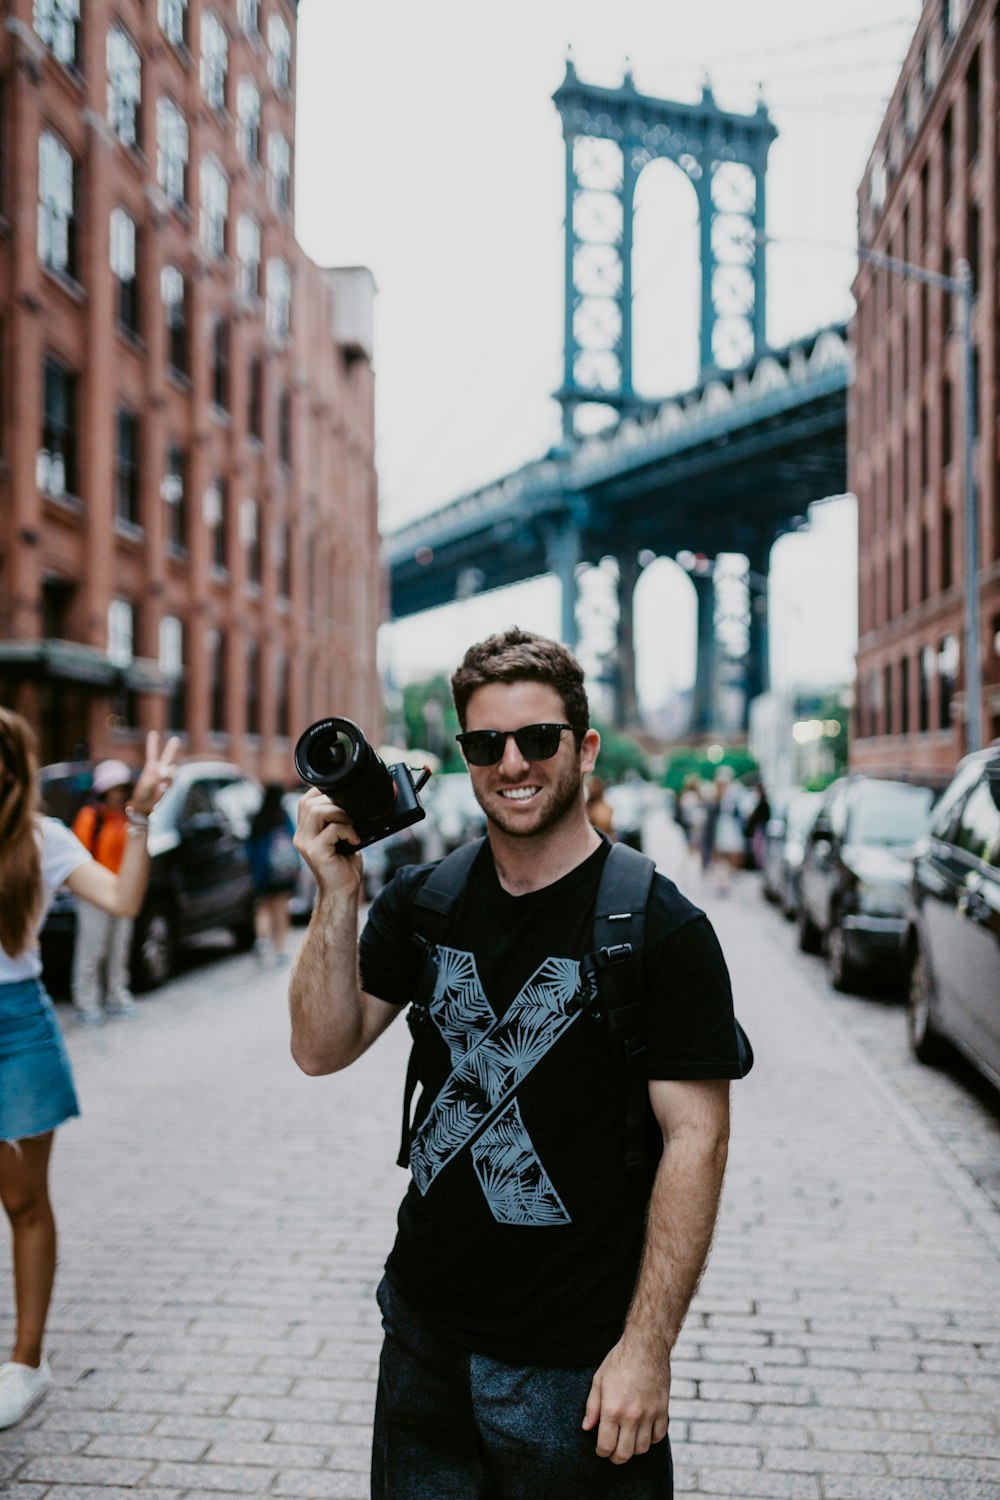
610 135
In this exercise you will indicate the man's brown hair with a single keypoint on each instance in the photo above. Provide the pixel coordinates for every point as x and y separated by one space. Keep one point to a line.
520 656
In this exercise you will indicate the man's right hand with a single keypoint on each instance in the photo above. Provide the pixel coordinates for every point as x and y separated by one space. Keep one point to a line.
321 826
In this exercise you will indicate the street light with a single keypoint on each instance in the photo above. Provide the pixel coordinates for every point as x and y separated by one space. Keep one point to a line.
959 285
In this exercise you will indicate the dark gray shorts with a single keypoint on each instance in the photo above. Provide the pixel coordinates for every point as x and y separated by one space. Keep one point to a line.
450 1425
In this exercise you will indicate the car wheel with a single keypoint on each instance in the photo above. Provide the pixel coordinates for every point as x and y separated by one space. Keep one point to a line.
926 1041
810 938
154 947
843 974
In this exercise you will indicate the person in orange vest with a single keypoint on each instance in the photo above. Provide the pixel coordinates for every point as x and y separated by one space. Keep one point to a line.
101 956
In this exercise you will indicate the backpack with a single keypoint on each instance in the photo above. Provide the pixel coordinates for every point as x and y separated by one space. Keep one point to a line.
610 978
282 856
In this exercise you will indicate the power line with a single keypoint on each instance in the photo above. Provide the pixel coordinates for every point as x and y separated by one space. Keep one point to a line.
806 45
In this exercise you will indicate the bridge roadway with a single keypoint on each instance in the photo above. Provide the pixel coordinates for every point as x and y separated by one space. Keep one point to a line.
726 467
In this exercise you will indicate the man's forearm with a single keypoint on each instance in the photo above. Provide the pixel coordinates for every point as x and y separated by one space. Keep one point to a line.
679 1228
324 991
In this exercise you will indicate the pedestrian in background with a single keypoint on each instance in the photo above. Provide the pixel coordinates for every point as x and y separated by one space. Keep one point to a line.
757 820
274 866
599 810
37 855
724 830
691 814
101 984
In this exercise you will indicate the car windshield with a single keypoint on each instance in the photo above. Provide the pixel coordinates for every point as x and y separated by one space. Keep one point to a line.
896 815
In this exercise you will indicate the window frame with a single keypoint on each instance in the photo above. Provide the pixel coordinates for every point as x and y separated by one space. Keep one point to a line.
58 227
124 86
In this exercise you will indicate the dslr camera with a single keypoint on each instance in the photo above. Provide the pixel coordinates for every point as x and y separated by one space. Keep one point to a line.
334 755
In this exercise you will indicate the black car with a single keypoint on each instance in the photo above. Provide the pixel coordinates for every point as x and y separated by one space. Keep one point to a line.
199 875
855 876
785 837
953 934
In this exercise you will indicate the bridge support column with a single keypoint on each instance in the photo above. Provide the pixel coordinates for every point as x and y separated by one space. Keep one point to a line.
626 703
562 548
758 675
703 704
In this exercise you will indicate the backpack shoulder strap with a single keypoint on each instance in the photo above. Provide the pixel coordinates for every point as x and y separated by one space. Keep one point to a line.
430 916
611 979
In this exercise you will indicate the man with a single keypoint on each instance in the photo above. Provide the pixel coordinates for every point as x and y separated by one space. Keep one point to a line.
103 943
535 1289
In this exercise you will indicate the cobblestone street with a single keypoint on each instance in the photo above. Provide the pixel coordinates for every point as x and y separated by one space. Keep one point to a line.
224 1220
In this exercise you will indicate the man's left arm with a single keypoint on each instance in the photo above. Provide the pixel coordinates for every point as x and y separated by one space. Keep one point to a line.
630 1392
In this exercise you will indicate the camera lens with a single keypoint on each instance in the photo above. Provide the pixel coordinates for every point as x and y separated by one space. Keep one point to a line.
334 755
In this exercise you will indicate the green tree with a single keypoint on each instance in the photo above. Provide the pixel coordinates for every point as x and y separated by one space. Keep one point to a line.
691 760
620 755
431 720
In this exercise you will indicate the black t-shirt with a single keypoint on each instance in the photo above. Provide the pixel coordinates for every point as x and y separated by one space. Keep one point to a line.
520 1233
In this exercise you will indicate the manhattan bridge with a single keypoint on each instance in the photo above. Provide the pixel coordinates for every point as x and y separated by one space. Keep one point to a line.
726 467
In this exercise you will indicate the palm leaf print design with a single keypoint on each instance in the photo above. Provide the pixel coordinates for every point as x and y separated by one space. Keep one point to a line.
489 1059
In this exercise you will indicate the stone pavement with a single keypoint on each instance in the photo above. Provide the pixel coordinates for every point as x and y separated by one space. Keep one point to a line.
223 1223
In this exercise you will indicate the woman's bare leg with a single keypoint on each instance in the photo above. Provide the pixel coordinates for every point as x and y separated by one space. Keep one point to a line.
24 1192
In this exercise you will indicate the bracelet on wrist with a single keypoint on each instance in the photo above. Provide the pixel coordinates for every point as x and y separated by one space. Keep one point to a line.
135 819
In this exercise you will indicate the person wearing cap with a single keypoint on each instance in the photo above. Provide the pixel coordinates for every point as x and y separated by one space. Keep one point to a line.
101 956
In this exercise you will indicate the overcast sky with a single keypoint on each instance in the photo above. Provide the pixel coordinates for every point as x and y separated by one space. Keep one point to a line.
429 149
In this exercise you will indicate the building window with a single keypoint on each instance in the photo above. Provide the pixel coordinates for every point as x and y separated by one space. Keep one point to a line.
121 632
214 60
926 69
279 299
279 41
279 163
925 322
947 155
172 16
123 266
174 493
220 364
283 559
215 519
946 422
215 647
173 291
904 696
972 240
124 87
171 151
947 547
924 693
251 539
248 12
255 398
172 669
214 207
282 704
127 467
973 110
925 562
56 468
948 19
947 665
248 119
925 204
252 689
905 572
248 256
57 227
57 22
887 698
285 429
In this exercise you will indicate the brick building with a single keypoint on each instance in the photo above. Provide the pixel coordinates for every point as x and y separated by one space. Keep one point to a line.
188 529
929 196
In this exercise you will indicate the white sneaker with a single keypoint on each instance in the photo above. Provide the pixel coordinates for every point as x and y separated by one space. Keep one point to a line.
125 1007
21 1388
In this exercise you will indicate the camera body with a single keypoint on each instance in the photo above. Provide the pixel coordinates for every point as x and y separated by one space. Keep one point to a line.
334 756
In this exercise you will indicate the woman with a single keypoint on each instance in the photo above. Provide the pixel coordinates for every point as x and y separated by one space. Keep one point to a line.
37 855
274 866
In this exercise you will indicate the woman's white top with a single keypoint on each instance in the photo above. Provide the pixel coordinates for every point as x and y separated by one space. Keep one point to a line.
62 853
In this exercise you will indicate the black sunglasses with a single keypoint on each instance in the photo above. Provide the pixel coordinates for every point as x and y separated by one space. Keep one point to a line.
485 747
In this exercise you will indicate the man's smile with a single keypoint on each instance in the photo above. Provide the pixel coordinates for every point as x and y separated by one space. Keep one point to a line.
518 793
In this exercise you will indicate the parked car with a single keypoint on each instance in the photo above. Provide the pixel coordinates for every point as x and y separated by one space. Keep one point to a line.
785 837
953 932
628 804
199 871
855 876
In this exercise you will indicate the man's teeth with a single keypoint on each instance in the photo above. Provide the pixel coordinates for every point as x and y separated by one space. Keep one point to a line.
520 793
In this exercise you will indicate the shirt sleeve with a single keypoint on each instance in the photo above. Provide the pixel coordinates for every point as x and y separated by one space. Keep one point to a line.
691 1031
62 853
390 958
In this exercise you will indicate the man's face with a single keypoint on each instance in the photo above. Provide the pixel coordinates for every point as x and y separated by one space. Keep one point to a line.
527 797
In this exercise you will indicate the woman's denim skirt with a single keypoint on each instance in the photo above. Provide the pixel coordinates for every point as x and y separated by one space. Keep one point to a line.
36 1082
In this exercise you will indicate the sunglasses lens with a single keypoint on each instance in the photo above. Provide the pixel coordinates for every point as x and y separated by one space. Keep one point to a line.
483 747
538 741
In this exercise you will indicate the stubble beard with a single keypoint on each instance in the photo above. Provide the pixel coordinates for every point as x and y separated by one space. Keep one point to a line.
563 794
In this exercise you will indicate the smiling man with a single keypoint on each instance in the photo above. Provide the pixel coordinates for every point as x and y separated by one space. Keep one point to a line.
536 1288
